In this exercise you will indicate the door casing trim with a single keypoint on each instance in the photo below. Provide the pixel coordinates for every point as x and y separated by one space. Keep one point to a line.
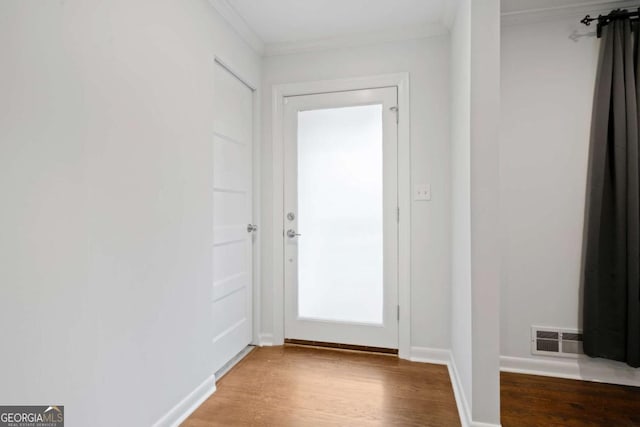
279 92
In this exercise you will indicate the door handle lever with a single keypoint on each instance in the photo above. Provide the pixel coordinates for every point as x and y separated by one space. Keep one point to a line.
292 233
251 228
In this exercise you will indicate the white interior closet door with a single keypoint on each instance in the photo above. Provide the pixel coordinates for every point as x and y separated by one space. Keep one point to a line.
340 225
232 216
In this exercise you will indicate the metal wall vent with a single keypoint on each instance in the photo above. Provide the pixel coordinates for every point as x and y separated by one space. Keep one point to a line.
557 342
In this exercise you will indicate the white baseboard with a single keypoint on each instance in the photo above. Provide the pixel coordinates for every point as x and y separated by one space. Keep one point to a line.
265 340
437 356
461 401
444 357
190 403
586 369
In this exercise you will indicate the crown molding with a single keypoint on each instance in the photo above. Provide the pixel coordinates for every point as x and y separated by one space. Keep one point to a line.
355 40
238 23
575 11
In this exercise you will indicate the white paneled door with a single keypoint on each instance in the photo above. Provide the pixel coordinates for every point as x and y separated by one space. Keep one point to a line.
341 217
233 228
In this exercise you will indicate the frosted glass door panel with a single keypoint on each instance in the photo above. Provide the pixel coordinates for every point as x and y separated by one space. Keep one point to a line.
340 182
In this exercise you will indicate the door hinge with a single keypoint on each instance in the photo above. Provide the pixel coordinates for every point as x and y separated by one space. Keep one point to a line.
397 111
398 313
398 214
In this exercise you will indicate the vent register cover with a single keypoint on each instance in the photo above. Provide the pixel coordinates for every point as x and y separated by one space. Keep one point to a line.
556 342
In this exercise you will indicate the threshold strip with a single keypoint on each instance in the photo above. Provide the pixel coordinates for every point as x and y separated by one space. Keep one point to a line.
350 347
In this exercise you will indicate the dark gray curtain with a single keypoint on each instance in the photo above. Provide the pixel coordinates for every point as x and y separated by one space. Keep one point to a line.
611 256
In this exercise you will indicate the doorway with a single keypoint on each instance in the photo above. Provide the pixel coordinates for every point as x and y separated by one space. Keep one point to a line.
341 217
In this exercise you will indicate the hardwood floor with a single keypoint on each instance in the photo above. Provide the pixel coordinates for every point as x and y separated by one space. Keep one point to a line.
302 386
533 401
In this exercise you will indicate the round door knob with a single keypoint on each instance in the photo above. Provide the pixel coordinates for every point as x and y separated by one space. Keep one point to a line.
251 228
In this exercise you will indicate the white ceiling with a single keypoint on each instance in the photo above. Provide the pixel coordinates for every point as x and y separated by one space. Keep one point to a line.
286 21
286 26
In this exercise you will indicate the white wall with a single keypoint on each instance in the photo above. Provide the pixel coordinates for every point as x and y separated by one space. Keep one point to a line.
427 62
461 197
475 206
105 224
547 95
485 209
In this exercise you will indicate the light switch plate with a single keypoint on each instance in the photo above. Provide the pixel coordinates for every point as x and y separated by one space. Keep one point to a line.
422 192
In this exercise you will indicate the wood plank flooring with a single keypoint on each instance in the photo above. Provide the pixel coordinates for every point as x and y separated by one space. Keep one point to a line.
534 401
303 386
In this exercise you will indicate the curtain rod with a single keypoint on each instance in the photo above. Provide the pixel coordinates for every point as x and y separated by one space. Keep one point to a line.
614 15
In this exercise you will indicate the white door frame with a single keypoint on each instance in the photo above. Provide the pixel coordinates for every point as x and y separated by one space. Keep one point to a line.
256 191
401 81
